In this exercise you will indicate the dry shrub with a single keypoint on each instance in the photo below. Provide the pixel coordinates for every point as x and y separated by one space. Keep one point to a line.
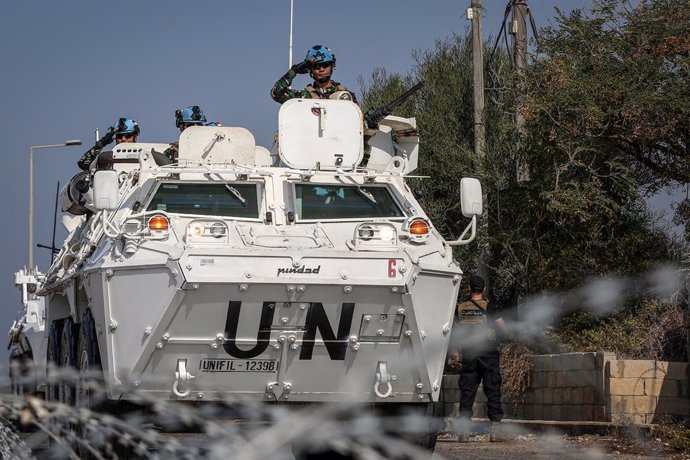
516 371
649 329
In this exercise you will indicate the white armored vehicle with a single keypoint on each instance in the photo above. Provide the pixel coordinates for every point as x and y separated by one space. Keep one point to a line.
295 275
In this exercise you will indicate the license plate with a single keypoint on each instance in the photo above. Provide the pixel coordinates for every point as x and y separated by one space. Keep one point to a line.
238 365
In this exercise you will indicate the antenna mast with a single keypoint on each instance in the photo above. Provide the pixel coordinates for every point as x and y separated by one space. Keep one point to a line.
292 5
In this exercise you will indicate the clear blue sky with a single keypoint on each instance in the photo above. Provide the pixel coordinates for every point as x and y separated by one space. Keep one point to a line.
71 66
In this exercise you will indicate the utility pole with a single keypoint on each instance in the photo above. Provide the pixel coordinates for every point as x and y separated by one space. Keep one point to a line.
518 29
475 14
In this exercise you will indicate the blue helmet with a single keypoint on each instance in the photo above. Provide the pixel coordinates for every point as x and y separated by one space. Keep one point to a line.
126 126
319 53
192 115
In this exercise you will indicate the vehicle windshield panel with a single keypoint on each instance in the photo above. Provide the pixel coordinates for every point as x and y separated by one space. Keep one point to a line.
319 201
209 199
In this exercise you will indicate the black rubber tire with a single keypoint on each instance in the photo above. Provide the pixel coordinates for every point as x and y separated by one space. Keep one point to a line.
53 357
88 364
68 360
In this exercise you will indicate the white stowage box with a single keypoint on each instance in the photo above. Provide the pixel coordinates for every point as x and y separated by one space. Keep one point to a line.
323 131
217 144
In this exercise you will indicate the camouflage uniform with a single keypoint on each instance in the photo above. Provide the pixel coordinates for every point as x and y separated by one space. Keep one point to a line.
93 152
171 152
281 91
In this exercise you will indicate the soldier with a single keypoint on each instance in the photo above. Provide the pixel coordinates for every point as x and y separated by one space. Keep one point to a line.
125 130
184 118
319 63
480 357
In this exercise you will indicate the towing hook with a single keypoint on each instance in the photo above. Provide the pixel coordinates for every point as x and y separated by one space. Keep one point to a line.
182 378
383 381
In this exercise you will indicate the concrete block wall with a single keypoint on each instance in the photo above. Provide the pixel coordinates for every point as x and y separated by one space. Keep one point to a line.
591 387
645 391
565 387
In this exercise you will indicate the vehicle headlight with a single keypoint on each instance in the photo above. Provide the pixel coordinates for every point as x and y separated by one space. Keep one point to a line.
207 231
375 236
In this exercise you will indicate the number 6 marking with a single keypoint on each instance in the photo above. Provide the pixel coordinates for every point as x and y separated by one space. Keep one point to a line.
391 268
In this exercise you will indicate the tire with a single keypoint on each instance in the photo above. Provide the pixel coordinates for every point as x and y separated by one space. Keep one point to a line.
88 388
425 439
68 360
53 358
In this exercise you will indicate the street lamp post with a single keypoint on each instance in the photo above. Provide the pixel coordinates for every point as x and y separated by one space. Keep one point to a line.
31 190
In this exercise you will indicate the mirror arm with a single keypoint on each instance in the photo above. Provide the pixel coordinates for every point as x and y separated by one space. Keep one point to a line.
460 241
108 227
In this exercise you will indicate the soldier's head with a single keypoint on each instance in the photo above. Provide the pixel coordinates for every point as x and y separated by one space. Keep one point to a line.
191 116
477 284
126 130
322 61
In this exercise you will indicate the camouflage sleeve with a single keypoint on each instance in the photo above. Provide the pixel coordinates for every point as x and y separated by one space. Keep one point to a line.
89 156
281 91
171 152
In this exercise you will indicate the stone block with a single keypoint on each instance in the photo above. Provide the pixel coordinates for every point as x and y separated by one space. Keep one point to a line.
538 412
633 404
539 380
530 397
558 395
661 387
557 412
551 379
571 361
603 357
587 412
600 413
547 410
629 419
627 387
547 396
671 370
633 368
589 395
560 379
673 406
683 388
541 363
568 396
588 361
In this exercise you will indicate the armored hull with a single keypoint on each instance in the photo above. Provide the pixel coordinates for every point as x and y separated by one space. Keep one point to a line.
303 275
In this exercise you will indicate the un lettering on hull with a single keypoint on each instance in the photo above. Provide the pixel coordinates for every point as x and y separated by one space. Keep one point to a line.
335 338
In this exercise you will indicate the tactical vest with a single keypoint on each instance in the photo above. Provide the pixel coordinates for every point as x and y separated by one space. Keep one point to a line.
472 314
316 94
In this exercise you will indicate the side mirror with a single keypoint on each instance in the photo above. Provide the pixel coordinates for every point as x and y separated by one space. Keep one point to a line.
470 197
105 190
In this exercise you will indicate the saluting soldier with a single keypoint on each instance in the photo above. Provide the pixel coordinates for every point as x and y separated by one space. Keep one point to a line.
477 320
184 118
125 130
320 64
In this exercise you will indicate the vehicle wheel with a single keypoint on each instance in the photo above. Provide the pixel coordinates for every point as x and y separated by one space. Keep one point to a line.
53 358
68 360
423 436
88 362
17 373
89 388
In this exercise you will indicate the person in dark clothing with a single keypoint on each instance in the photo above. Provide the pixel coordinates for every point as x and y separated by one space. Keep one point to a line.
477 320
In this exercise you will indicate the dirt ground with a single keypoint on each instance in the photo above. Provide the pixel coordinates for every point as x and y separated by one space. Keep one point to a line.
548 446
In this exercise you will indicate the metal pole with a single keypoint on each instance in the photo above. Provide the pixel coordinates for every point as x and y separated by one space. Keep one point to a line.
478 79
31 208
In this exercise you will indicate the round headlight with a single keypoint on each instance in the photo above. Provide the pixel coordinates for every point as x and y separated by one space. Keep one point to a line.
218 230
386 233
196 229
366 232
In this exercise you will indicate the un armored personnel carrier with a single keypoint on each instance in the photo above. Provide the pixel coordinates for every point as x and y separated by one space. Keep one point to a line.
300 274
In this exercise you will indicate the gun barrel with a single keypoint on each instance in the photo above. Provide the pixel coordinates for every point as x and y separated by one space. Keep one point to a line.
374 117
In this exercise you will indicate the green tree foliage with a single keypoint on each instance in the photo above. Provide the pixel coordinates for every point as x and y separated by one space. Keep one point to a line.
606 122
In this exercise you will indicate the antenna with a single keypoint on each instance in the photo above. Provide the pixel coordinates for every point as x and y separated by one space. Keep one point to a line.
292 8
